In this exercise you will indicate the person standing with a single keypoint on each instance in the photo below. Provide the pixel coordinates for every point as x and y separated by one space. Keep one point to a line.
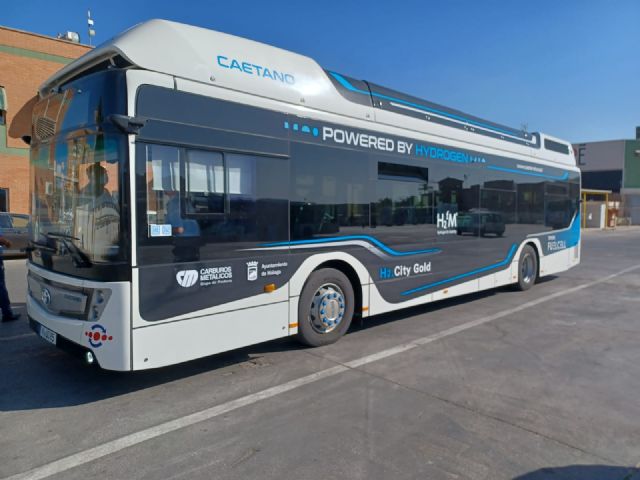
5 304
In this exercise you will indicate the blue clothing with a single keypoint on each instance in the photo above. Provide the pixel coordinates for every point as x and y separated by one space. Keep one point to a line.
5 304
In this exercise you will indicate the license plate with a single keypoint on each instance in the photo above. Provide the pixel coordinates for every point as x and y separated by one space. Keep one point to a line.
48 335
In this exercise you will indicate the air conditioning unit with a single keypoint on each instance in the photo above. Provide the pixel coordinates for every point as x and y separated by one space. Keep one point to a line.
70 37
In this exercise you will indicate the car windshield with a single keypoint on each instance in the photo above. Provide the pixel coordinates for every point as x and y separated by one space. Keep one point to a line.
76 192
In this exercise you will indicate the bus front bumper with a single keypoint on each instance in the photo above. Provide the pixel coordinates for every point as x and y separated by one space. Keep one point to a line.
63 343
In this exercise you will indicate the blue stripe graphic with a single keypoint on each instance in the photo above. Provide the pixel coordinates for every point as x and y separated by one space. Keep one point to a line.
564 176
345 83
503 263
367 238
571 235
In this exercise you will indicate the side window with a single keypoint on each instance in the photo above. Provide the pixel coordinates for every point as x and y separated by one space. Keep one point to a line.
163 189
559 207
329 191
204 183
403 196
198 201
241 172
457 198
530 204
499 207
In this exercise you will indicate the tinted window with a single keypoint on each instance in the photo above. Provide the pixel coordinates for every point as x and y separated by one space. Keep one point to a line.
457 196
329 191
402 196
396 171
556 146
163 186
556 188
497 212
204 183
85 101
501 203
204 204
559 211
530 204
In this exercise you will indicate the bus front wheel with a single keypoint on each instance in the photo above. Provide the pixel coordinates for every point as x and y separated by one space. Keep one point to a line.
527 268
325 307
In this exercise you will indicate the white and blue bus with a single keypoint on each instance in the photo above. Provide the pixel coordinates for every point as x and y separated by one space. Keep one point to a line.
195 192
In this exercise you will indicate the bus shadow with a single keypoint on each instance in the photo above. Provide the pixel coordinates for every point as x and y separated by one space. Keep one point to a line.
406 313
42 376
583 472
34 375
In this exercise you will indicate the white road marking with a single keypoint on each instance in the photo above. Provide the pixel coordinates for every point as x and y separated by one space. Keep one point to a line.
91 454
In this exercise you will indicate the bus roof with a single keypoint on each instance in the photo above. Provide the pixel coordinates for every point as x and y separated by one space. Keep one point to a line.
236 63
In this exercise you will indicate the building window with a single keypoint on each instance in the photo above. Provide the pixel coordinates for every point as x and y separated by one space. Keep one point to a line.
3 106
4 199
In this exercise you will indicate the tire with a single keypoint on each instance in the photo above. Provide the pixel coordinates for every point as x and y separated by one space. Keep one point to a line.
319 326
527 268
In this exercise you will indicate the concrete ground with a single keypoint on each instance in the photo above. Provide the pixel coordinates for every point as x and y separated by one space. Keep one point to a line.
534 385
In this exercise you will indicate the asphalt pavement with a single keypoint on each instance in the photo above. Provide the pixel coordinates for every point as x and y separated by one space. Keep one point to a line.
543 384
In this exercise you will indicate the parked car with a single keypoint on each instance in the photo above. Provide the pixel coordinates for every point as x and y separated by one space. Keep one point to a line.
481 223
16 228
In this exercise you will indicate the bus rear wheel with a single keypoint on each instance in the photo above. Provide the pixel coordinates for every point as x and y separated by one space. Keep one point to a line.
325 308
527 268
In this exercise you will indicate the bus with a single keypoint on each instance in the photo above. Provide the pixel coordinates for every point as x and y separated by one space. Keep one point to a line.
194 192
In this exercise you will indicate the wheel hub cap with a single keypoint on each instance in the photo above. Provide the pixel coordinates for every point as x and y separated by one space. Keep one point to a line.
327 308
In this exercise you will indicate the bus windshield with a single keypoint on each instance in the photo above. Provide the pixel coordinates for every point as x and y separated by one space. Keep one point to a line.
77 170
76 190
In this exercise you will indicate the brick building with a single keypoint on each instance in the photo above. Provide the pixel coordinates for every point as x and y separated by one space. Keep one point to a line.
26 60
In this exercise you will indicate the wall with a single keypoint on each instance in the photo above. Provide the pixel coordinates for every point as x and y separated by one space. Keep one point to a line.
632 164
598 156
26 60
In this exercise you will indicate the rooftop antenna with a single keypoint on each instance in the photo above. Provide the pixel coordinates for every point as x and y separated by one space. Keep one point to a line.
91 30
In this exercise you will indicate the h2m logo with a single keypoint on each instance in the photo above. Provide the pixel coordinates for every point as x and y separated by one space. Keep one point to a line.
446 222
187 278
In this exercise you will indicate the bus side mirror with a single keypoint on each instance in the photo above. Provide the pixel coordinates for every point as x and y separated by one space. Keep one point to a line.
128 124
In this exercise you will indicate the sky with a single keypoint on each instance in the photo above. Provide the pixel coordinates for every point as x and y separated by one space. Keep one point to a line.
568 68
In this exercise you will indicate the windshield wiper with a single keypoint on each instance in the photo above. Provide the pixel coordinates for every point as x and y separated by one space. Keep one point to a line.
39 246
80 259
